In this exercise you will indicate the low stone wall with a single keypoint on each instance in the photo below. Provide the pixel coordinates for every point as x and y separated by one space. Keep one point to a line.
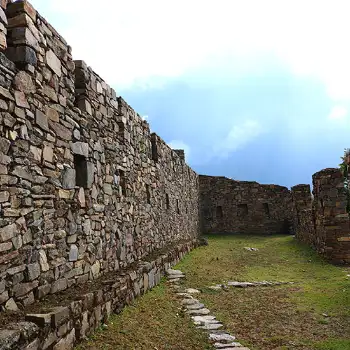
229 206
61 321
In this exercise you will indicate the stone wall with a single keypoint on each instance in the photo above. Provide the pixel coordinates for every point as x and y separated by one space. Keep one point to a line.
304 218
229 206
323 223
86 188
62 320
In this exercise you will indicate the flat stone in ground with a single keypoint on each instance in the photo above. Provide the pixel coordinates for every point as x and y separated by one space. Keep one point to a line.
184 295
195 306
203 318
227 345
192 291
190 301
211 326
199 312
221 337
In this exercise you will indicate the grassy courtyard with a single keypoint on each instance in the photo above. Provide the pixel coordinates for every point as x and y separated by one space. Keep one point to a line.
313 313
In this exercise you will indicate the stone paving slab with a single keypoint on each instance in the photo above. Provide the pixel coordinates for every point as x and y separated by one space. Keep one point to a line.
200 315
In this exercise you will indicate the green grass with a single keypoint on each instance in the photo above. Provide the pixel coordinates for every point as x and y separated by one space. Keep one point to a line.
153 322
300 316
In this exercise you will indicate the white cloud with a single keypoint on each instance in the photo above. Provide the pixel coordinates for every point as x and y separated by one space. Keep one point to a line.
238 137
179 144
142 41
338 113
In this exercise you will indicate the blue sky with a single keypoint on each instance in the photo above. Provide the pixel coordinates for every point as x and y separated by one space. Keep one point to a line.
251 90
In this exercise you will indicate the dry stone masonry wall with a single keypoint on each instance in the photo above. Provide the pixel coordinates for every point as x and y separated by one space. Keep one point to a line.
229 206
90 198
85 187
323 221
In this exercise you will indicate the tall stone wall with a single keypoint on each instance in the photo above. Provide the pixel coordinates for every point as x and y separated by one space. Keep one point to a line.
85 187
229 206
323 222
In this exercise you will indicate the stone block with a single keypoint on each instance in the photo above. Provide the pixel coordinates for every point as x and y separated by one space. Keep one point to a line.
24 288
59 316
68 178
22 55
8 232
80 148
42 291
53 62
73 253
15 8
4 145
33 271
41 120
43 261
59 285
23 36
4 297
67 342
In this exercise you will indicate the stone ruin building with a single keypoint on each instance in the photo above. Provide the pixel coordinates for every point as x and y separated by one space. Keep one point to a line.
95 208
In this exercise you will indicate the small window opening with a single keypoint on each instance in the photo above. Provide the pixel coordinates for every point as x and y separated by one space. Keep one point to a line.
80 165
121 129
178 206
167 201
148 193
219 213
266 209
242 210
119 179
154 148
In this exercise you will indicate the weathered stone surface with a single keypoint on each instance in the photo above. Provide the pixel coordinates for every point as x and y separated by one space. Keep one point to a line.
11 305
80 148
4 145
222 337
59 285
7 232
22 55
68 178
8 338
33 271
53 62
67 342
73 253
43 261
24 288
24 82
41 120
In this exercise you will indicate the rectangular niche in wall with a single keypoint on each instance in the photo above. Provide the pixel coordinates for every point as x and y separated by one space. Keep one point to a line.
178 206
242 210
266 209
219 213
167 201
154 147
81 171
148 194
121 130
119 179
